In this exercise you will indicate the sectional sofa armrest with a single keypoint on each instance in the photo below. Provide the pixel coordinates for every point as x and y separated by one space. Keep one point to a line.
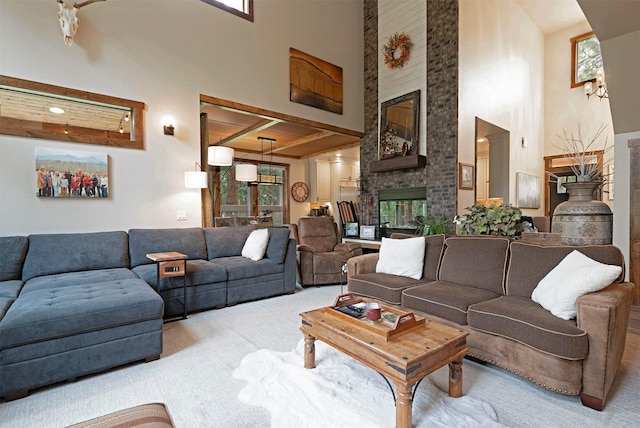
365 263
352 248
604 316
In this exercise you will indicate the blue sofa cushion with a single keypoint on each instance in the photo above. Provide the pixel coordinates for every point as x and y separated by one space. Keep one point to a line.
60 280
278 241
189 241
198 272
239 267
226 241
10 289
67 311
73 252
12 253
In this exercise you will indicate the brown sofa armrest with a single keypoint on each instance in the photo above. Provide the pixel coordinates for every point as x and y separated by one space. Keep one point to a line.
604 316
365 263
305 248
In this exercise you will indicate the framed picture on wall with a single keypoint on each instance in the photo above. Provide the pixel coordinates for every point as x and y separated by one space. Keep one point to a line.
465 176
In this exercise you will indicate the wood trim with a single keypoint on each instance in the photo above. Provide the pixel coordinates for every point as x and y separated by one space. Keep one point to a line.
574 43
548 160
248 15
263 112
25 128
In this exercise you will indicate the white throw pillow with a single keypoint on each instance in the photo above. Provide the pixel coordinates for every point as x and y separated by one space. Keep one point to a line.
403 257
575 275
256 244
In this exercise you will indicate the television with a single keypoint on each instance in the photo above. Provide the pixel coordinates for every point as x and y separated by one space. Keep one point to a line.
351 229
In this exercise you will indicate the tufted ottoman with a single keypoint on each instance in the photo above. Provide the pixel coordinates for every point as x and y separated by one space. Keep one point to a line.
73 328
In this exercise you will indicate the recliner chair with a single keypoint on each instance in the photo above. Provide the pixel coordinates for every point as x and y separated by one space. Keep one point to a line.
321 254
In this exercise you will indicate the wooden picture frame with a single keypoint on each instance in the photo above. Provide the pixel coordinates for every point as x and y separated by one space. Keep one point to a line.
399 123
466 176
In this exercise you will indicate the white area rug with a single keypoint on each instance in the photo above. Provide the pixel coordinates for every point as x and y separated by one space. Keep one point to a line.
341 392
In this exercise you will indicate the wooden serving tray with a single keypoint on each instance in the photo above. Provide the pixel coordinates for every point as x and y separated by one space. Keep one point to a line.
404 321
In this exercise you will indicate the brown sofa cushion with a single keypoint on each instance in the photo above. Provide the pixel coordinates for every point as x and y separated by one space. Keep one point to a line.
382 286
529 263
475 261
523 320
445 299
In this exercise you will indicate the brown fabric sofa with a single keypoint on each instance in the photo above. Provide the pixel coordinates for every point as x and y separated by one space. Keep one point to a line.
483 285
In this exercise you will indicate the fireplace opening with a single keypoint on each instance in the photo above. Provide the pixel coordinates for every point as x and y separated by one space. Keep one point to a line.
400 210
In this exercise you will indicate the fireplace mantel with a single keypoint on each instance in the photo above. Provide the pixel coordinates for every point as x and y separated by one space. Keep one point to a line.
399 162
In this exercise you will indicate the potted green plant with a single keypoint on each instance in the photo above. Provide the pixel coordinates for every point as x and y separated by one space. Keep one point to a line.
500 220
433 226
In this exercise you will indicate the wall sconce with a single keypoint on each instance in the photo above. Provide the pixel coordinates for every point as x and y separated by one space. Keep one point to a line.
599 89
167 125
246 172
197 179
220 156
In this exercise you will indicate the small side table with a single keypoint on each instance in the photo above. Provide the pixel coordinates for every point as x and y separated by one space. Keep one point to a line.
172 264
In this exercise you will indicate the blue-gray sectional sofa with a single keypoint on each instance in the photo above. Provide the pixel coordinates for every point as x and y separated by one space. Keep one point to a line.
81 303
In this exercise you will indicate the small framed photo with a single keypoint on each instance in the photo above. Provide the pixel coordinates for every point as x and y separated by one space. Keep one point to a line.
351 228
465 176
368 232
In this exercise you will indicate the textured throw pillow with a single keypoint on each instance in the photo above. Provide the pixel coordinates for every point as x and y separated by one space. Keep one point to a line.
575 275
256 244
403 257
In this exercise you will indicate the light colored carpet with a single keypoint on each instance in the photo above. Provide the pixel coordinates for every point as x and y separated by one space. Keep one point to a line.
194 377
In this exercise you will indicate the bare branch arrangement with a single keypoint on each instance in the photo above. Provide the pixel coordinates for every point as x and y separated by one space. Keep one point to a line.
581 155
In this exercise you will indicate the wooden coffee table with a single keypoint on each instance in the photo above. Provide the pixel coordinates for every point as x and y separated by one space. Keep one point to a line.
405 351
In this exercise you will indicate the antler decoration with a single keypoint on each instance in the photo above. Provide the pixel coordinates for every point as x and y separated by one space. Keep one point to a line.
69 20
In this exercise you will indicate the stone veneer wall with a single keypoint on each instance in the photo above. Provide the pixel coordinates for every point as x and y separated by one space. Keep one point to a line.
440 174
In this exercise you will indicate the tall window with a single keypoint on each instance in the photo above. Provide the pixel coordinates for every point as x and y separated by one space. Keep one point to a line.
241 8
241 199
586 59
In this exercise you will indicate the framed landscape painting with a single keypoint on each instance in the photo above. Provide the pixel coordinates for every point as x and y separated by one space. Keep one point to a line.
71 174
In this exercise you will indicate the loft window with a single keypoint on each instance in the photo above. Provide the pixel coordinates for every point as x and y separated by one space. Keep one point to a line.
241 8
586 59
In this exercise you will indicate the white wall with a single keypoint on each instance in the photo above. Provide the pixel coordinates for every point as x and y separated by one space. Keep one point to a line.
409 17
501 77
566 107
165 54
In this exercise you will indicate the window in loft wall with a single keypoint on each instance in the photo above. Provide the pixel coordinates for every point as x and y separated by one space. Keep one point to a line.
241 8
237 197
586 59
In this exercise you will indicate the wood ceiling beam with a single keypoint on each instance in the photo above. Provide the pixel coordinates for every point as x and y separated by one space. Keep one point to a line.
331 150
257 127
300 141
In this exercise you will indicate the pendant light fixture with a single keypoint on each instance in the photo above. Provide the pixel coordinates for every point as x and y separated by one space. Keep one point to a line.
270 177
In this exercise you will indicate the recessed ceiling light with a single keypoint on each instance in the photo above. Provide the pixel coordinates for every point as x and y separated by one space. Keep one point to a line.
56 110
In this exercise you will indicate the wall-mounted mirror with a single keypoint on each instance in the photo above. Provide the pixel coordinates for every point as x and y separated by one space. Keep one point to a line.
492 164
37 110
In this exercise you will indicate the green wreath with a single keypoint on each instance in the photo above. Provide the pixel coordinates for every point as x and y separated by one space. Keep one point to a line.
394 43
